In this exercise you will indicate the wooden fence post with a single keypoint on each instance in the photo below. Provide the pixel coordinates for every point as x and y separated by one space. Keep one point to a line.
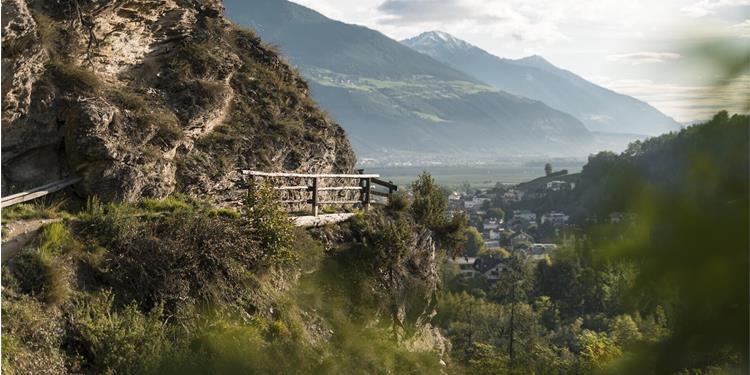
368 184
361 187
315 196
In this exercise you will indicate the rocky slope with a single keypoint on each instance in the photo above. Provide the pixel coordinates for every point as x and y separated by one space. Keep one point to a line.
146 97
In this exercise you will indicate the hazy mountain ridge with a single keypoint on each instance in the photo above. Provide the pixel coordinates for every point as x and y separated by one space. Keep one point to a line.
391 99
599 108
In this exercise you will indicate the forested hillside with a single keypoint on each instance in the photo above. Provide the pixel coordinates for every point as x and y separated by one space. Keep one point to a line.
709 154
663 292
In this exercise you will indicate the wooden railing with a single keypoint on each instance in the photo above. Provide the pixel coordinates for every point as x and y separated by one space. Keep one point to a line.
38 192
362 185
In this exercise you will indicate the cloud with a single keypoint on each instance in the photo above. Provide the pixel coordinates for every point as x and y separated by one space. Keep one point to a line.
408 11
637 58
742 29
708 7
502 19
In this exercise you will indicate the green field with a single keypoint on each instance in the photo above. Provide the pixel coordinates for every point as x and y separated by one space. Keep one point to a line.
477 176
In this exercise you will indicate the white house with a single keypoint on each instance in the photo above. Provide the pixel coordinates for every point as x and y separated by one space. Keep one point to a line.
475 203
555 217
538 251
491 244
493 234
491 223
490 268
493 273
560 185
542 248
466 266
524 214
520 238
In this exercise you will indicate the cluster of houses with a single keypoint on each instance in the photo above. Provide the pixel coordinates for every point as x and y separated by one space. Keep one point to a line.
511 235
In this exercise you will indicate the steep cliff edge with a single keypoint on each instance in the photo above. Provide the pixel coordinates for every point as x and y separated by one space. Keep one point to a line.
142 98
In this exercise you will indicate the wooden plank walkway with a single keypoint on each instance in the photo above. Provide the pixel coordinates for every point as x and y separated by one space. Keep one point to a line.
320 220
38 191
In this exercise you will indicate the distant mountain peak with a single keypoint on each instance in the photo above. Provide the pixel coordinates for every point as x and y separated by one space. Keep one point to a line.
535 61
437 38
535 58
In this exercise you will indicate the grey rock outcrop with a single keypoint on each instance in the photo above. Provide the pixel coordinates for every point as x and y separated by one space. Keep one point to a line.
146 97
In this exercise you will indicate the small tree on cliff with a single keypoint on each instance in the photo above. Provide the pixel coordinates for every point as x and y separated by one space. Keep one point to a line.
430 209
270 223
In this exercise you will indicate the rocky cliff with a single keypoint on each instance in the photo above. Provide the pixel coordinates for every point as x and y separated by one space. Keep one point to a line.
146 97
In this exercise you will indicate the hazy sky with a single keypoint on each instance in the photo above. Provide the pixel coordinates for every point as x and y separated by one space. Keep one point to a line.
637 47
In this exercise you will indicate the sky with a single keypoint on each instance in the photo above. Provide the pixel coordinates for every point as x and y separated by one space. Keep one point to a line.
653 50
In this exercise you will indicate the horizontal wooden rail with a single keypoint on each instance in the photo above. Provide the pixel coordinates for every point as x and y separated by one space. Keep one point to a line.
340 202
302 187
334 188
390 185
307 175
38 191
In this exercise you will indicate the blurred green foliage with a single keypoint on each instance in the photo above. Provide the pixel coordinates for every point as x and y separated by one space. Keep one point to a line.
664 291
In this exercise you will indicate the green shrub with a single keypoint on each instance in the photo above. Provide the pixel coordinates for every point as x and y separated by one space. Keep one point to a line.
150 114
129 99
270 224
116 341
167 128
76 78
45 271
225 212
56 237
195 59
32 336
429 206
169 204
430 209
34 210
399 201
46 276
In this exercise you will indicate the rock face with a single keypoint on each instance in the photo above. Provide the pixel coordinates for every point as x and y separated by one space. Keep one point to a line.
146 97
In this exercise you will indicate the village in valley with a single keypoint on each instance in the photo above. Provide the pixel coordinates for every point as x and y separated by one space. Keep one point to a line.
502 223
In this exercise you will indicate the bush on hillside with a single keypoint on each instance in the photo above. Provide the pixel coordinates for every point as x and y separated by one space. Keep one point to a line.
430 209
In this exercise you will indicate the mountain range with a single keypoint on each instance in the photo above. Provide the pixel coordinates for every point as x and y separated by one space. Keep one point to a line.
600 109
398 102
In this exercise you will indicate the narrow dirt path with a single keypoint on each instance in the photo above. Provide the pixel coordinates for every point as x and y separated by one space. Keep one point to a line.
19 234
